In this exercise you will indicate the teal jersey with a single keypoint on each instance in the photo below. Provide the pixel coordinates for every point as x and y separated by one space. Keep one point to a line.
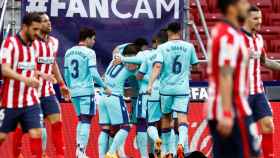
146 69
116 76
80 71
138 59
176 58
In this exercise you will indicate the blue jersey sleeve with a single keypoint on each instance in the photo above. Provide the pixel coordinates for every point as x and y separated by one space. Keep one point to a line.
194 59
133 60
159 58
93 69
144 70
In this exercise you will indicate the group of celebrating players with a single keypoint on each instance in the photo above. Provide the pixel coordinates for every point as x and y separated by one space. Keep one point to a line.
159 89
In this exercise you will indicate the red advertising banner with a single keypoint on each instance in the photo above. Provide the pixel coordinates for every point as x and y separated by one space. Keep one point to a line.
198 135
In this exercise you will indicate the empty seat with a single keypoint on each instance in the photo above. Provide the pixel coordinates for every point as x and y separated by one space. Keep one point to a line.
274 18
275 45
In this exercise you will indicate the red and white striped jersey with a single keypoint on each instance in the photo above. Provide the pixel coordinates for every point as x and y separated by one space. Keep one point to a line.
46 57
22 57
255 47
227 48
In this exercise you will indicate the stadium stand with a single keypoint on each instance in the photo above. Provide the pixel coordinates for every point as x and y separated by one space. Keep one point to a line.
270 32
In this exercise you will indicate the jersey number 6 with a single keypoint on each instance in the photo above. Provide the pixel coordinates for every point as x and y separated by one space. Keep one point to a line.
177 66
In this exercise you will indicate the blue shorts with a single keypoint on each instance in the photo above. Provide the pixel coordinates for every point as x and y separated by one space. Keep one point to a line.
28 117
171 103
112 110
141 106
260 106
154 111
233 146
49 105
84 105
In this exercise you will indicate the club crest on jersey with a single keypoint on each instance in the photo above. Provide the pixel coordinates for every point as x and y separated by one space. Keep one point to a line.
45 60
26 65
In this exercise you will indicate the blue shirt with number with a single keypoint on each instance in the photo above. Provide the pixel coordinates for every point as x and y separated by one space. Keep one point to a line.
115 77
176 57
146 69
80 71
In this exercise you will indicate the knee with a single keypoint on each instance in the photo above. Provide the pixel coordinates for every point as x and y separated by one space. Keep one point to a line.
3 136
84 118
54 118
35 133
267 126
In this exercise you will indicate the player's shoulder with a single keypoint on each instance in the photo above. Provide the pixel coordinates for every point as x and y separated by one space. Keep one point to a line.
54 40
224 31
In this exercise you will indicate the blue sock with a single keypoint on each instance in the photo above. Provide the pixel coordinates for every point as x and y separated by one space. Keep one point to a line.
142 137
44 139
103 142
173 143
142 143
166 133
83 135
153 133
183 134
151 144
118 140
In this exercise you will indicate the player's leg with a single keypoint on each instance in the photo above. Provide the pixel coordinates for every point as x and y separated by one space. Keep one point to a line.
8 122
154 116
87 111
118 116
104 122
180 105
17 138
174 135
51 110
141 125
262 113
166 104
32 122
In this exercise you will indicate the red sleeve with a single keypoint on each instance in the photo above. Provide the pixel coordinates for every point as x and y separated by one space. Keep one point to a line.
7 51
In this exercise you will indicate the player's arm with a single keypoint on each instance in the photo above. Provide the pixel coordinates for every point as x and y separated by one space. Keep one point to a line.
274 65
7 71
156 70
141 74
63 89
66 72
194 60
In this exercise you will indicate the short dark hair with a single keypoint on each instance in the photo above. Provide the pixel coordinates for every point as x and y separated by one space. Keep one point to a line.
130 49
29 18
140 42
162 36
224 4
174 27
254 8
86 33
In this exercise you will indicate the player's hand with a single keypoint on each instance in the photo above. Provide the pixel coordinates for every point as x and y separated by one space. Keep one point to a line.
32 82
47 77
149 90
108 91
117 60
225 126
65 92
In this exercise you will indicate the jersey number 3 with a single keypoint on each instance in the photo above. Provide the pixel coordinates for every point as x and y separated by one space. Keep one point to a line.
177 66
75 64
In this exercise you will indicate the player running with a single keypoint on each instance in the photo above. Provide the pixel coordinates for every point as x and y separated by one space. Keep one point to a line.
20 101
231 125
260 106
112 109
172 64
47 49
80 74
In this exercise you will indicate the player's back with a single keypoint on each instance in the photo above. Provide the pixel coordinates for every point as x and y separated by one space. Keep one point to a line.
77 63
177 57
115 77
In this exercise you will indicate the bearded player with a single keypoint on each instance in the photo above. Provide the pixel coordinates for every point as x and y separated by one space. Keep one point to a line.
260 106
